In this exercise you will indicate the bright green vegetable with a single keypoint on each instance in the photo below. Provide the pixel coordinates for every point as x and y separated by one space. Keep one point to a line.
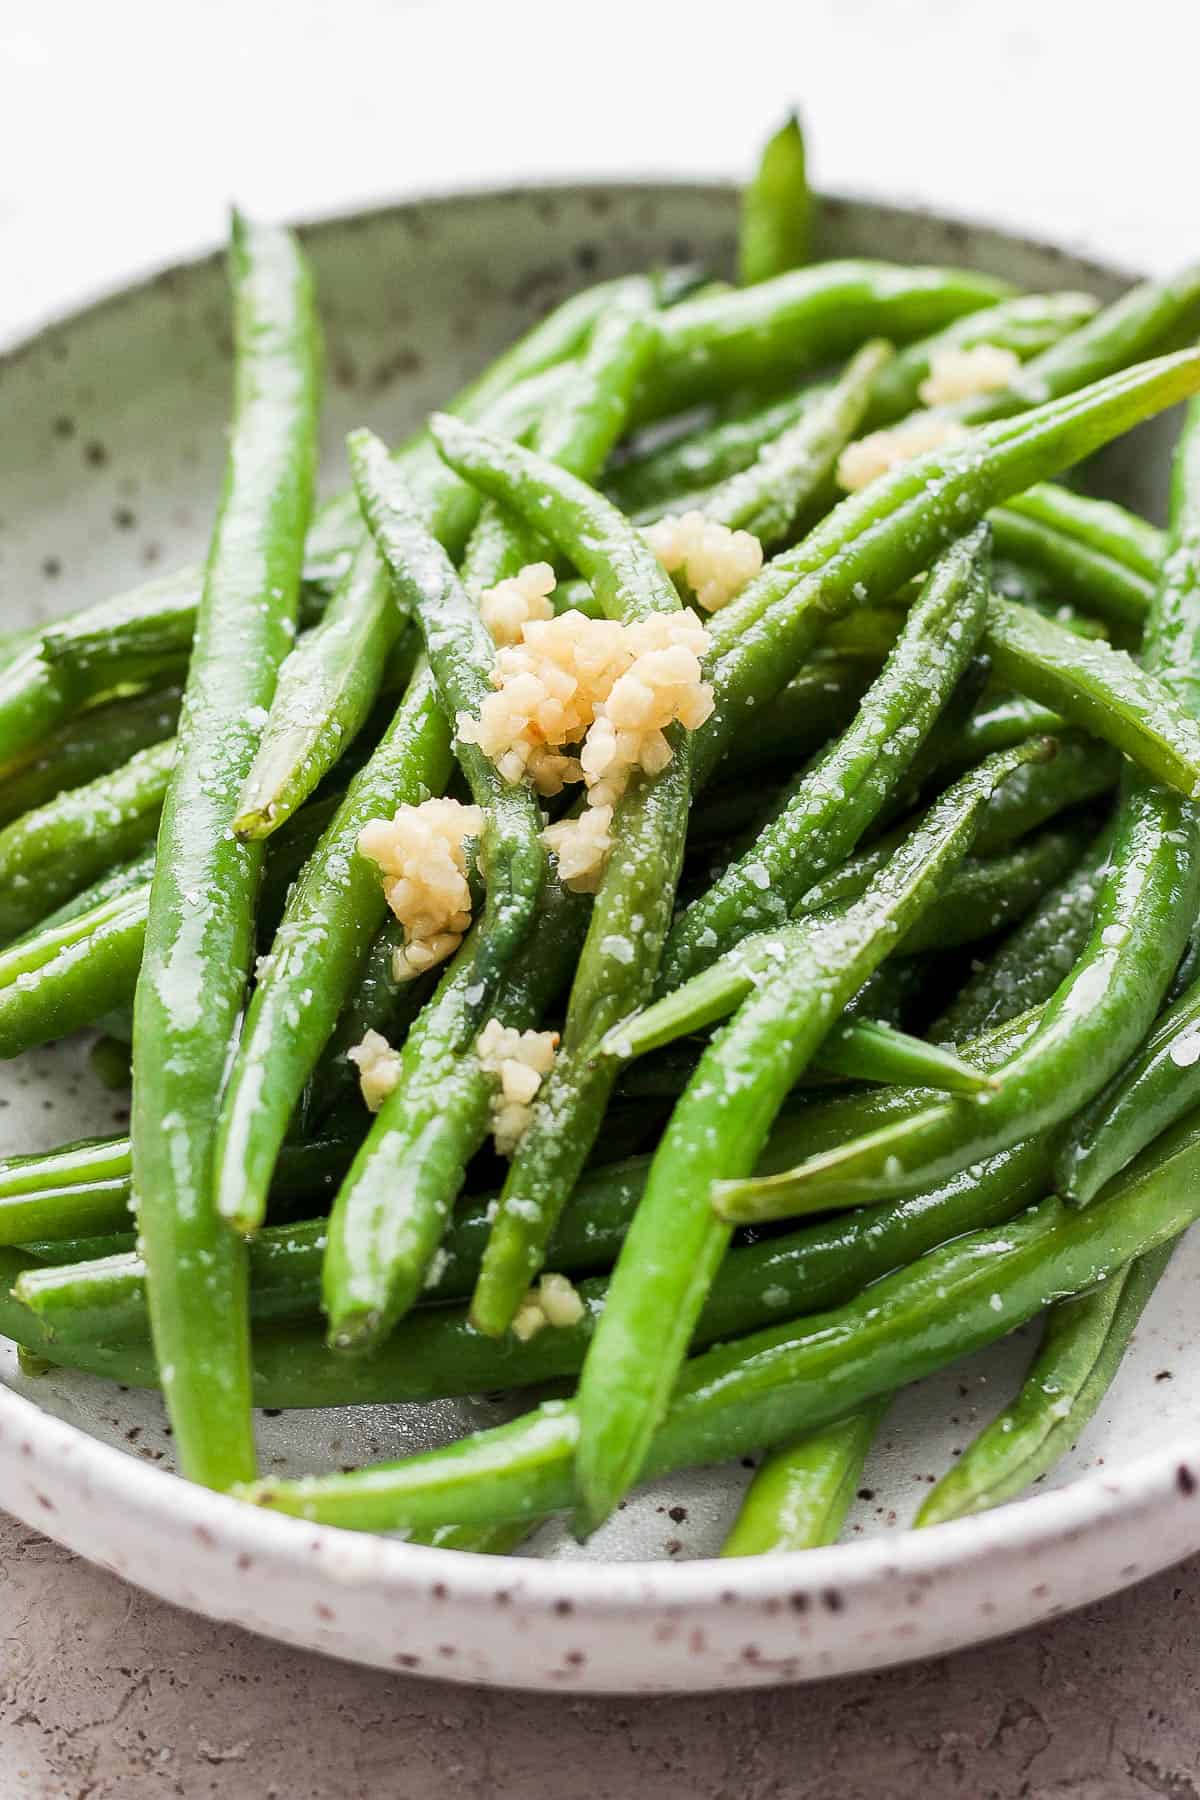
48 855
676 1242
831 804
790 1378
96 743
199 933
461 655
1081 1350
800 1496
776 221
332 915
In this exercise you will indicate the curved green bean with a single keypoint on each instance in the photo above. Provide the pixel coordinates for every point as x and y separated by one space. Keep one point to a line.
775 228
800 1495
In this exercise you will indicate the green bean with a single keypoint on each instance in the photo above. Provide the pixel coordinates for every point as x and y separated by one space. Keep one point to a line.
1098 688
676 1242
998 720
1033 959
1026 325
801 1494
989 892
1153 1091
436 1352
1080 1353
326 689
1112 530
1081 770
331 916
633 903
48 855
829 807
797 321
376 1001
780 487
775 230
1094 1021
1087 577
199 931
794 1377
1153 316
976 898
876 540
62 979
392 1209
461 655
92 745
683 471
85 1187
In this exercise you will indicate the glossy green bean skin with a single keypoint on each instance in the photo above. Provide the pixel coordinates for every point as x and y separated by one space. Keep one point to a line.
1026 325
790 1378
84 1189
676 1241
799 1497
436 1352
631 912
1098 688
830 806
977 897
199 931
578 431
1152 316
878 539
326 688
94 744
461 654
1080 574
775 228
74 975
1033 959
1094 1021
780 487
48 855
332 915
37 694
682 472
797 321
1081 770
375 1001
1112 530
1081 1350
392 1210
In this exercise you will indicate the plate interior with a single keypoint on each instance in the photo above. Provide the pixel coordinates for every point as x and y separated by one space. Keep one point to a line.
109 469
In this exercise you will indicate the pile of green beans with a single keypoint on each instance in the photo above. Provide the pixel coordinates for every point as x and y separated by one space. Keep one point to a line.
896 939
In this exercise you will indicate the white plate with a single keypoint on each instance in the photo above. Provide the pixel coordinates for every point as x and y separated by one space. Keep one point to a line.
109 466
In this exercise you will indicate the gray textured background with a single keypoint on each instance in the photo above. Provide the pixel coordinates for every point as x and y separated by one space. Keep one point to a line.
125 130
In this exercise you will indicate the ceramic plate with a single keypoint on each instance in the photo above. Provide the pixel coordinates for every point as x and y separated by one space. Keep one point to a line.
110 459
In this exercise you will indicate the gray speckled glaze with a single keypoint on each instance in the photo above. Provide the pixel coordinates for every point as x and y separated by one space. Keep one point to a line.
109 467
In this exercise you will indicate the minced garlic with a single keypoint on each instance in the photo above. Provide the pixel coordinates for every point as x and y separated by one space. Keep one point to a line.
547 689
422 852
663 685
716 562
867 458
554 1301
956 374
520 1061
599 688
581 845
511 604
378 1068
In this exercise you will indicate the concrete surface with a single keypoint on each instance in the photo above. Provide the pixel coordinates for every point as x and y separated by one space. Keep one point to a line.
108 1695
126 129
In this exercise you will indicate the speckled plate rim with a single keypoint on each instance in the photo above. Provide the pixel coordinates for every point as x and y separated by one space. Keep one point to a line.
788 1618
